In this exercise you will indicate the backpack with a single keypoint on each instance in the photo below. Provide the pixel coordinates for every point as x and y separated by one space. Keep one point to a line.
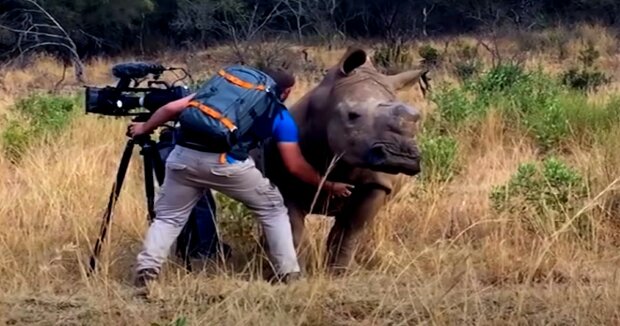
227 106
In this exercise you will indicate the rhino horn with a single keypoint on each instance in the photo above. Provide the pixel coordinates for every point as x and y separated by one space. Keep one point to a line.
407 78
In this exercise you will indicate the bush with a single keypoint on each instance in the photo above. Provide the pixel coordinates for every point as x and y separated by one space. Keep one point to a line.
181 321
467 64
35 117
430 55
588 77
549 126
502 77
530 101
455 106
544 197
235 220
465 70
584 80
439 158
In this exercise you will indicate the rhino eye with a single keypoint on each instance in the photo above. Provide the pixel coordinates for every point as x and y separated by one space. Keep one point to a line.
353 116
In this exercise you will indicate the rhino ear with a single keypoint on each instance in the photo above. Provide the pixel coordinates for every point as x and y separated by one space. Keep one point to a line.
353 59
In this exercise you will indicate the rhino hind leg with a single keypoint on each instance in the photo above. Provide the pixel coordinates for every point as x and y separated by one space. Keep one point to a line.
349 225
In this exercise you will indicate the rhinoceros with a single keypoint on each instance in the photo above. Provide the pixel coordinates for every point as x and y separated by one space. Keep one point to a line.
352 114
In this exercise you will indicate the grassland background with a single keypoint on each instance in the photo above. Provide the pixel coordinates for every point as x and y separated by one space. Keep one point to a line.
439 254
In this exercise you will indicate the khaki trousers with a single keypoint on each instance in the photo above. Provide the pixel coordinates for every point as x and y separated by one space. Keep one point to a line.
188 174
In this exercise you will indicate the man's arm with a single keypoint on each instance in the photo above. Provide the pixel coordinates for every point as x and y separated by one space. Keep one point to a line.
167 112
297 165
161 116
285 133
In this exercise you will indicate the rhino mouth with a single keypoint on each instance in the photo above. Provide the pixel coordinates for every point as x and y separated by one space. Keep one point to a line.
393 159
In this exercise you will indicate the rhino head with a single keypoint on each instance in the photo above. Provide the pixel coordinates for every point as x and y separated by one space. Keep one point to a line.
357 108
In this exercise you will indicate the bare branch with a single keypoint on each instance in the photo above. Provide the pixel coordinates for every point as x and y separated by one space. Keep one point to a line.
244 26
33 34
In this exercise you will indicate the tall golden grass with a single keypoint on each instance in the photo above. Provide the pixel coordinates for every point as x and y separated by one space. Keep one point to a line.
437 254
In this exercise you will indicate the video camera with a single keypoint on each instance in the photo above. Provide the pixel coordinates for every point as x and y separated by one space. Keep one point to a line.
114 101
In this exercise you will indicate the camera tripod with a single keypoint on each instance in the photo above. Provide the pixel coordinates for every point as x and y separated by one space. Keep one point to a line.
153 164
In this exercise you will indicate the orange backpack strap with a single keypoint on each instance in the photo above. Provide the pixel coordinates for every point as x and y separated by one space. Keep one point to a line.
241 83
214 114
223 158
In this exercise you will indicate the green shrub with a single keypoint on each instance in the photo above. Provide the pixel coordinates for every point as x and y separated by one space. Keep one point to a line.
35 117
235 220
466 70
429 54
467 63
532 102
584 79
15 139
549 126
181 321
588 77
456 107
502 77
439 158
544 197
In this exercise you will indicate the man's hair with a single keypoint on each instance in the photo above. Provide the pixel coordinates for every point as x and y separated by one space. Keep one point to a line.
283 78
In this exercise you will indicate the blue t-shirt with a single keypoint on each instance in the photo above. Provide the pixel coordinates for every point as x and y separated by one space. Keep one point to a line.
284 130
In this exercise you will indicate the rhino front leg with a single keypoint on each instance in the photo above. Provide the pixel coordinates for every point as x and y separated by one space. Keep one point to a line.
298 226
349 224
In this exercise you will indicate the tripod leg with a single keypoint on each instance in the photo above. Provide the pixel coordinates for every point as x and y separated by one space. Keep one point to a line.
116 189
158 165
149 153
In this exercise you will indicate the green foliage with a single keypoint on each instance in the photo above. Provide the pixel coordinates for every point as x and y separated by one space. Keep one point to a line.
584 79
181 321
430 55
466 70
235 220
15 139
588 77
544 197
501 78
531 101
439 158
34 118
548 126
455 106
506 86
467 63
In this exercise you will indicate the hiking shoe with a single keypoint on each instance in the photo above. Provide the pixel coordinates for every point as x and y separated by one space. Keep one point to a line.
287 278
145 277
291 277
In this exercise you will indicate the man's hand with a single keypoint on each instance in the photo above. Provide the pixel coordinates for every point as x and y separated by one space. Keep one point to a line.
339 189
161 116
136 129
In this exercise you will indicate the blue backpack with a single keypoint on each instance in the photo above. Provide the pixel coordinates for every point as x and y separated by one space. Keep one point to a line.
227 106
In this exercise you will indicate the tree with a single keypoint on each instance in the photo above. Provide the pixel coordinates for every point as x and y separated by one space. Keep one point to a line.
34 28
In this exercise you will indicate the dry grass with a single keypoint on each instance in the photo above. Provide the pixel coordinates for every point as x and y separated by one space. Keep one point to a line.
437 255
